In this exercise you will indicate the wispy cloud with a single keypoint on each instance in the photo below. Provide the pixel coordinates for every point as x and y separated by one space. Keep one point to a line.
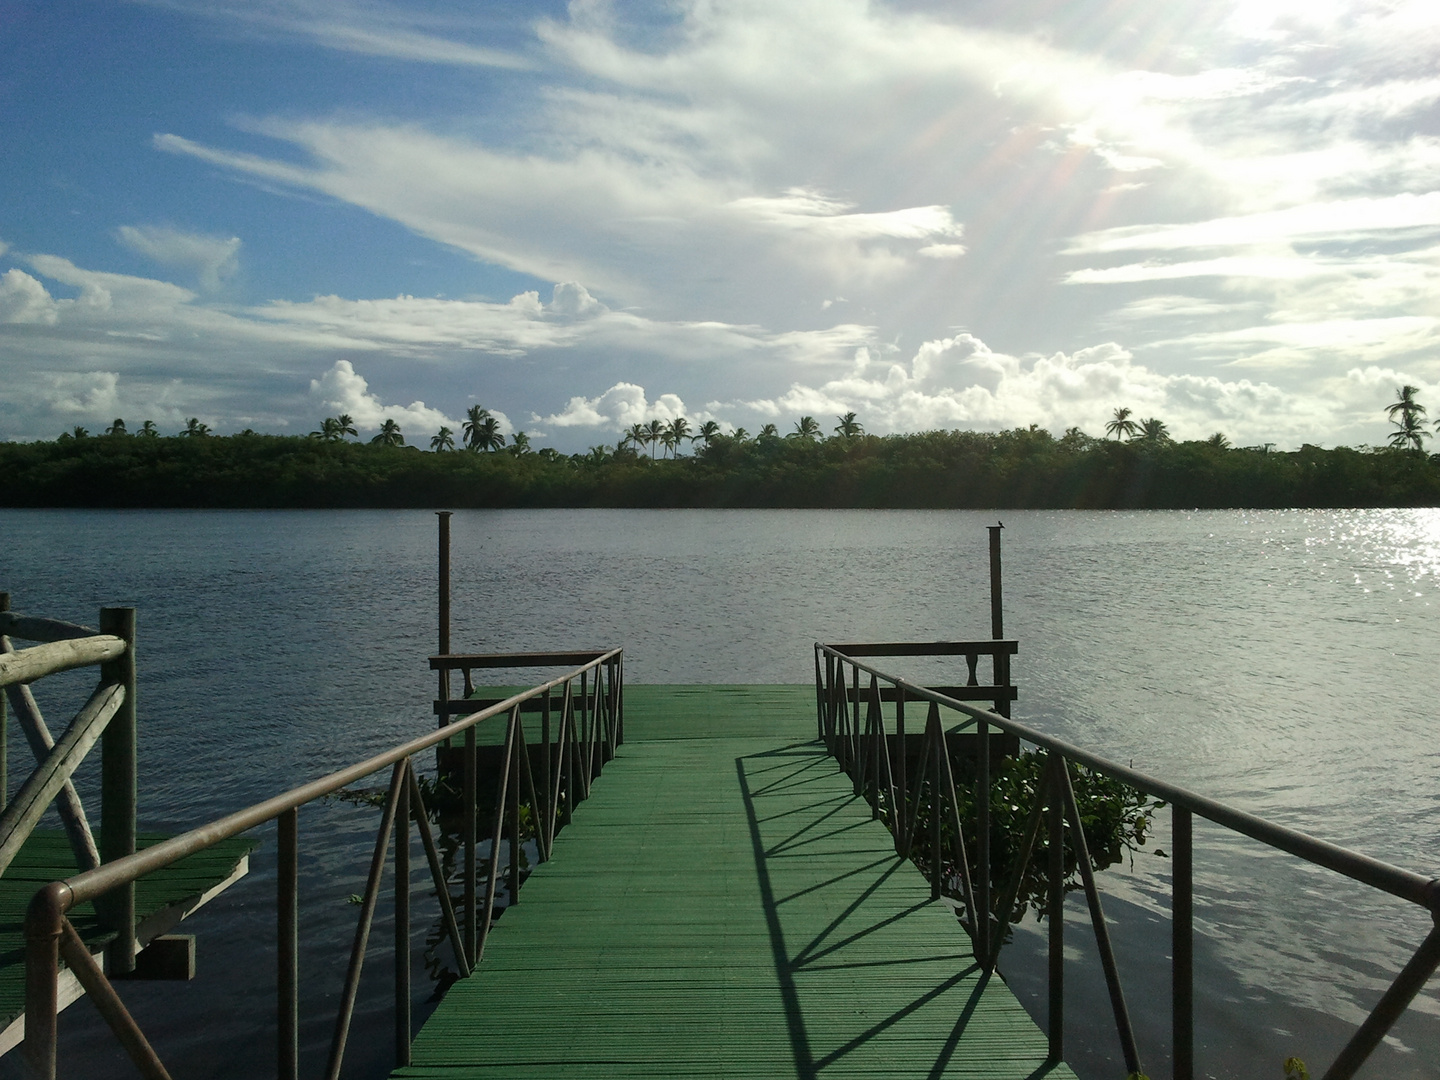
213 258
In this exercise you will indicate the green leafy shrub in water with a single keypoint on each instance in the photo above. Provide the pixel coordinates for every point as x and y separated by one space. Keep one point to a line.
1115 818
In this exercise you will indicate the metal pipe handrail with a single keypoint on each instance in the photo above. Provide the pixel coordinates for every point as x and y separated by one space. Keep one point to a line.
860 752
49 932
92 883
1405 884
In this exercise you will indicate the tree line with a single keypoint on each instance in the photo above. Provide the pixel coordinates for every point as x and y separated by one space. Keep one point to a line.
1133 467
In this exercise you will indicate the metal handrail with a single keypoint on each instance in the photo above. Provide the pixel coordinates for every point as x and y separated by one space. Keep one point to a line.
48 932
863 749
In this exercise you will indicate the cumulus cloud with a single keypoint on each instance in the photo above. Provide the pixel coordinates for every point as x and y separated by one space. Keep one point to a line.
960 382
24 299
214 259
344 390
616 409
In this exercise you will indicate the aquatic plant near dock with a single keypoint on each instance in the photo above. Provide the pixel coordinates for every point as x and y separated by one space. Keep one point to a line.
1115 817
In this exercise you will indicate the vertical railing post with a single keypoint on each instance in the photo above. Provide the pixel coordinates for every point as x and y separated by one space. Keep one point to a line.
402 923
118 792
514 781
545 764
982 828
4 729
1056 913
43 924
819 695
1182 973
936 731
902 781
287 947
468 832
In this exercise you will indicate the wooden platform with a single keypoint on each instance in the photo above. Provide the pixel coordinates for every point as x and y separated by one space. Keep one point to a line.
723 906
162 899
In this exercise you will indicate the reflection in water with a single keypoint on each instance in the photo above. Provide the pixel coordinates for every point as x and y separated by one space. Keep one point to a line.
1281 660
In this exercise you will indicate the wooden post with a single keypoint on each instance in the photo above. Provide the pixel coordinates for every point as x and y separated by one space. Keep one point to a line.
4 729
118 790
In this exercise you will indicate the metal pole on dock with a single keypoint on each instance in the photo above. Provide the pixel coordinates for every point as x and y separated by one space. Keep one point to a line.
444 607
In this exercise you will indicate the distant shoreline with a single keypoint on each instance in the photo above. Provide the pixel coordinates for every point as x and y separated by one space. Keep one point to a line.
1020 469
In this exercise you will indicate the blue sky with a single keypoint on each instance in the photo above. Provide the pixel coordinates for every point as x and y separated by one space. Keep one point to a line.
981 215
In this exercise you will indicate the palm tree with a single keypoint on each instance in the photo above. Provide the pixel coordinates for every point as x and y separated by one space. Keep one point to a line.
1219 441
678 430
1411 432
849 428
389 435
149 430
195 429
740 434
117 428
443 440
347 426
1122 427
654 433
77 432
329 430
519 443
805 428
478 428
769 431
634 436
482 431
1154 431
708 431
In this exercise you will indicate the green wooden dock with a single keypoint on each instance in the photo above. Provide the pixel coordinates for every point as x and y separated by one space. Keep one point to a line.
724 906
162 900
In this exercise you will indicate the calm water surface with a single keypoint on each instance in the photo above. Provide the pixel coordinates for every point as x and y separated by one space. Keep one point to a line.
1282 661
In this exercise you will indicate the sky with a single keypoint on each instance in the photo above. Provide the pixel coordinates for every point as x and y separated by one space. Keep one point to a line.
978 215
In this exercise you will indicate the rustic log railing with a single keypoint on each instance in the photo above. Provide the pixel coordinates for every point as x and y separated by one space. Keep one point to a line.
860 740
589 727
108 717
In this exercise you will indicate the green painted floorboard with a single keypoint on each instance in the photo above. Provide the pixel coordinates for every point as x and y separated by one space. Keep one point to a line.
46 856
725 907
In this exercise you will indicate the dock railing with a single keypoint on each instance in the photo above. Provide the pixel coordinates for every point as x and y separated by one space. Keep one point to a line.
579 742
107 717
850 697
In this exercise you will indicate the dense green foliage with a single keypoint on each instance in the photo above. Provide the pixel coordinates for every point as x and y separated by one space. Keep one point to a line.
962 469
1116 820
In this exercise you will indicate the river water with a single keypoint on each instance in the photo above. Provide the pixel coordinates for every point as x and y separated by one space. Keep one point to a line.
1282 661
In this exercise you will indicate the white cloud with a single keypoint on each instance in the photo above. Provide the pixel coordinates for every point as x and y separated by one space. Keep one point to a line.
24 299
84 394
616 409
372 29
1349 218
214 259
346 391
961 382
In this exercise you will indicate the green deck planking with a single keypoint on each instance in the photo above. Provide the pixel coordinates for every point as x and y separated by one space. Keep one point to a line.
723 906
46 856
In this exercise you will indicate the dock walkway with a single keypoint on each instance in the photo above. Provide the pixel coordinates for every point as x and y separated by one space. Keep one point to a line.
724 906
